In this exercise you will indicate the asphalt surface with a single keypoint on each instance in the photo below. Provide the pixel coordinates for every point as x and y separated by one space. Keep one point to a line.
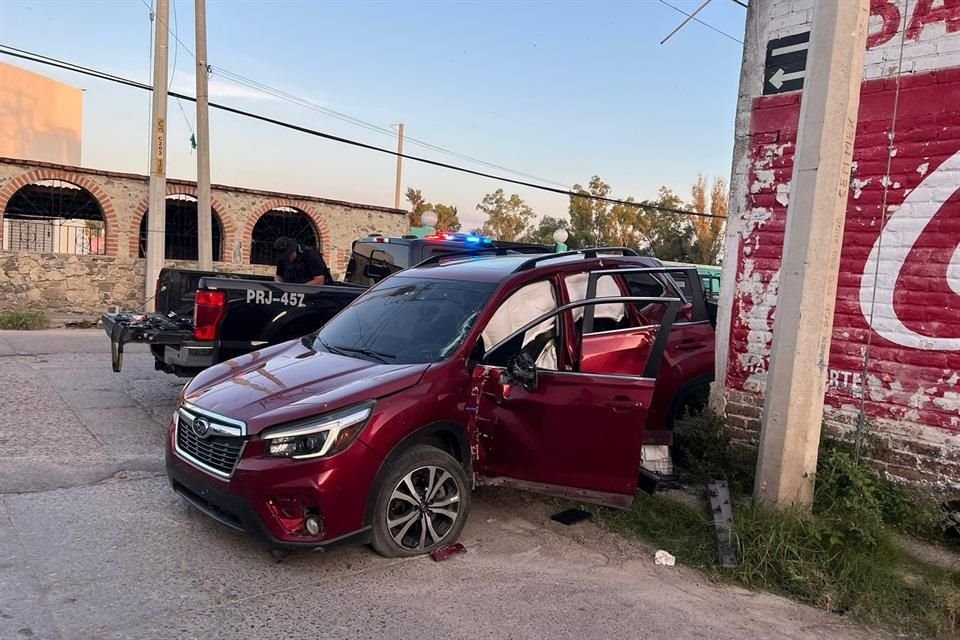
93 544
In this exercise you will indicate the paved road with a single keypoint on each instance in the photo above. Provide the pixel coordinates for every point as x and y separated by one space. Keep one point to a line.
93 544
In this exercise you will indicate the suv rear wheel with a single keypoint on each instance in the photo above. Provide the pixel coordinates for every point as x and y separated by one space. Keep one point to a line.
422 503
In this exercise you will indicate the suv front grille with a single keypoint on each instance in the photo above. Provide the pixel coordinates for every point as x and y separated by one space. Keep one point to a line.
214 447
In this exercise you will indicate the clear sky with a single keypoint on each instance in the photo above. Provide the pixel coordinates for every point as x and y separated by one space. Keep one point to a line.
560 90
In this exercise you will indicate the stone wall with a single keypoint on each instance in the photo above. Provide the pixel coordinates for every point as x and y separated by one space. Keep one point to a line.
87 285
895 357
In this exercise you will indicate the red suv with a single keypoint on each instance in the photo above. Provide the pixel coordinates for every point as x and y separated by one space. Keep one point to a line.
547 373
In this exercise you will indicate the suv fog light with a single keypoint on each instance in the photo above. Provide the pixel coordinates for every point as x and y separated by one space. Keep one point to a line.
313 525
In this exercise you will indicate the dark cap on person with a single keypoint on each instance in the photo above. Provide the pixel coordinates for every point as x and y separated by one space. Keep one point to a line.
284 246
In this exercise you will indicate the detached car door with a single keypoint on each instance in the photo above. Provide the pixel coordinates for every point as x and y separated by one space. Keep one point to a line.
544 425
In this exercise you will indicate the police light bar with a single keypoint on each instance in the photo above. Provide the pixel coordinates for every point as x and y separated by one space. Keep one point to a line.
459 237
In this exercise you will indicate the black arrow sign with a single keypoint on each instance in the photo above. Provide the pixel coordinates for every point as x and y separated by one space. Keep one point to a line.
786 63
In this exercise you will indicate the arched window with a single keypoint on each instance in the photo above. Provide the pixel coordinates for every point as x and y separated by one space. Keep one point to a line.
181 230
281 222
54 216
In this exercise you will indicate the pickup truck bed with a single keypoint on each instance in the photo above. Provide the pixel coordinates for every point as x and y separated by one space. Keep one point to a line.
204 318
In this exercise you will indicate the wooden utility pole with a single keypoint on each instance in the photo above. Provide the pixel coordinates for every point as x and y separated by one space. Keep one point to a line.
157 211
796 380
204 205
396 193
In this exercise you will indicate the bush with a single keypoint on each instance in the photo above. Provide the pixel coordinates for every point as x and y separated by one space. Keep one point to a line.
702 451
23 320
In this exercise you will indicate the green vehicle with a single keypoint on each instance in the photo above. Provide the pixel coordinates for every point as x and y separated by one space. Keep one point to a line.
709 277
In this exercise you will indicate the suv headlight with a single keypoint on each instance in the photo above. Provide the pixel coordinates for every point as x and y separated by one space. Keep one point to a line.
323 436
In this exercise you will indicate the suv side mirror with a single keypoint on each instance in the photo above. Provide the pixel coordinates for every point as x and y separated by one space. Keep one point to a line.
522 370
376 271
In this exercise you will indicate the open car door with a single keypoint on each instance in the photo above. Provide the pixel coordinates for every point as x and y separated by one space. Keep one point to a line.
570 433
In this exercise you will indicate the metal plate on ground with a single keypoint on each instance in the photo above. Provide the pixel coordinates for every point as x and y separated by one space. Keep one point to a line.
721 510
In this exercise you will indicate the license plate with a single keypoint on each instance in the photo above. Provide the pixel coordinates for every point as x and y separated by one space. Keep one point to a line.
270 297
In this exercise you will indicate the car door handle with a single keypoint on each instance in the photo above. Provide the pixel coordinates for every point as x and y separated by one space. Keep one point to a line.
689 346
621 405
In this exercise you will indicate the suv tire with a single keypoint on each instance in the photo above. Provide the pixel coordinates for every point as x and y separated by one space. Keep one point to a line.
422 503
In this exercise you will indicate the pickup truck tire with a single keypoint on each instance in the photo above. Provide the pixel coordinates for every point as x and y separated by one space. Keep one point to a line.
422 503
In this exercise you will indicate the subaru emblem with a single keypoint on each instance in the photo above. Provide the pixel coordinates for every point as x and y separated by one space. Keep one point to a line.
200 427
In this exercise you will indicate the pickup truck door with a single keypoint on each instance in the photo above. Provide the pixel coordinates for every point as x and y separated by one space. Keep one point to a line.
571 433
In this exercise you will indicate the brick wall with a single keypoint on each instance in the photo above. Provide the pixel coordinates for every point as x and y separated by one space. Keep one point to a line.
896 340
35 279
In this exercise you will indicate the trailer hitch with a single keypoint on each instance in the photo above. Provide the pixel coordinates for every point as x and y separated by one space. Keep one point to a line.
143 328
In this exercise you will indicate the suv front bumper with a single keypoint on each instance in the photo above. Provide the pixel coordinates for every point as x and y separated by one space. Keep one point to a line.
340 492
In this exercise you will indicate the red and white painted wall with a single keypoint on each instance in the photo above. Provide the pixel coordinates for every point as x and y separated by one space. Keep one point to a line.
896 341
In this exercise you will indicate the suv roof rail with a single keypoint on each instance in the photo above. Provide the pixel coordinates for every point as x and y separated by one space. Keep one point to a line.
485 251
586 253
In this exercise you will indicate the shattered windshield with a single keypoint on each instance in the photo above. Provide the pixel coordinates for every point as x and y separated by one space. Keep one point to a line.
406 321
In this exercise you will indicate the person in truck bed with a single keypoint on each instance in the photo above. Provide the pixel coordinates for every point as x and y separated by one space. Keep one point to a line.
300 265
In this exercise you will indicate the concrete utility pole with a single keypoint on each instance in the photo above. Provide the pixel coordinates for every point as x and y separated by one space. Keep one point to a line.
204 225
396 193
796 381
157 212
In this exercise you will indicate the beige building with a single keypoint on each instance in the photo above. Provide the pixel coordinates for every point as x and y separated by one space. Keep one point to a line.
40 119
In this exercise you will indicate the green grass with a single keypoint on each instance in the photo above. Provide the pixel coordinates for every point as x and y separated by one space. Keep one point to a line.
793 553
842 556
667 524
23 320
703 451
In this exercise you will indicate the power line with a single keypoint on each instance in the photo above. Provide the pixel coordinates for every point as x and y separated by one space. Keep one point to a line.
696 19
303 102
308 104
61 64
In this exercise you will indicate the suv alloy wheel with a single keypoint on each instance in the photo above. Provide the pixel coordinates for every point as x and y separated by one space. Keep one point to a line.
422 503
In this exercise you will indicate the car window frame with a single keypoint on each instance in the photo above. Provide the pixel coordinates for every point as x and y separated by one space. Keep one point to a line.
559 324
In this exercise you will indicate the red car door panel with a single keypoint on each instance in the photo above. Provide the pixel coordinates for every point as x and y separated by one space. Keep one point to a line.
623 352
575 434
568 433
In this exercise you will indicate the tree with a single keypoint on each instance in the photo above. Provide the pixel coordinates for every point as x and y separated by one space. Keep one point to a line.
669 235
625 226
417 206
597 223
699 193
543 232
507 218
708 232
447 219
587 215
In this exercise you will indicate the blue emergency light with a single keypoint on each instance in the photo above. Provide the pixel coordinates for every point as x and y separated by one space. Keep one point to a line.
471 238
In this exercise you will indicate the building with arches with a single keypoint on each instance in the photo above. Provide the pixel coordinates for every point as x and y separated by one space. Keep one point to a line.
73 239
